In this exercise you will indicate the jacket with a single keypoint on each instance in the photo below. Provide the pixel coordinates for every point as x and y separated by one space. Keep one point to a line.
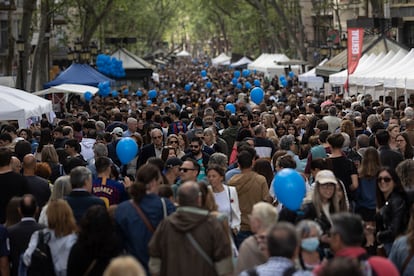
399 253
392 218
172 253
251 189
134 234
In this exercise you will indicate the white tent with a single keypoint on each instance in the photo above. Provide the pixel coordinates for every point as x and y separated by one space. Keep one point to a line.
367 66
221 59
131 61
68 88
241 62
267 64
369 79
340 77
21 106
311 79
184 54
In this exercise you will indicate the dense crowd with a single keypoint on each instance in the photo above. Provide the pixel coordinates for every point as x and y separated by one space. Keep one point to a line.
199 197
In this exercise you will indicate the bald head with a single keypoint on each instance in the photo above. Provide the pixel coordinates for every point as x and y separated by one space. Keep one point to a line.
189 194
29 164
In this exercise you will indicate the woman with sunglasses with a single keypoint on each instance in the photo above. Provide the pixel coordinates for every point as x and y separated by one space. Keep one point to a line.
174 142
391 218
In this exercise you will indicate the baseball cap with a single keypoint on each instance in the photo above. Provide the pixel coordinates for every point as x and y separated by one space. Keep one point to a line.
172 162
118 131
325 177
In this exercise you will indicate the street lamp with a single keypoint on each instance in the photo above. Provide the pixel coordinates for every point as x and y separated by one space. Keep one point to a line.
20 49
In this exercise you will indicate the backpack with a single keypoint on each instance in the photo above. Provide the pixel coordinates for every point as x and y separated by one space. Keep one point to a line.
41 262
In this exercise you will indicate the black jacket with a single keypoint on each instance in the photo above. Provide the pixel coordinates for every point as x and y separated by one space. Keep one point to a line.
392 218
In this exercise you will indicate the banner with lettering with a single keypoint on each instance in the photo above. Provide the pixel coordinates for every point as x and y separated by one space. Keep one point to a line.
355 41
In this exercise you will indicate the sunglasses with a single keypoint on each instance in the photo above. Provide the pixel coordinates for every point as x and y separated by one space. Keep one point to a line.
386 179
186 170
173 142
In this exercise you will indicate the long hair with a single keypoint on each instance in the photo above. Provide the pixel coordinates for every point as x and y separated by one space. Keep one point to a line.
97 233
381 200
49 154
60 218
263 167
317 201
370 164
408 151
145 175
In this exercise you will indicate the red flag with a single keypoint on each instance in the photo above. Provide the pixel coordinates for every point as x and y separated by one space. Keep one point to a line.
355 38
355 41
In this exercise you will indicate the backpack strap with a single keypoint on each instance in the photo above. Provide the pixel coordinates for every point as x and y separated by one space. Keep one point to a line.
406 262
200 251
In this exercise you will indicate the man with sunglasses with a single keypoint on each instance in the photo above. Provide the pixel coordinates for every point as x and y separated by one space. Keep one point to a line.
197 153
189 171
151 150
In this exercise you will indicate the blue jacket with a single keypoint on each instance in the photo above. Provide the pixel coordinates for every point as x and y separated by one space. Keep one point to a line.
132 230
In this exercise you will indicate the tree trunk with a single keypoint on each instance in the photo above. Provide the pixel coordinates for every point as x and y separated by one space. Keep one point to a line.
11 41
40 69
28 8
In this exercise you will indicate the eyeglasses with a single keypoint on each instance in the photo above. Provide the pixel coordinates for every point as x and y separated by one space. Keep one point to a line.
386 179
156 137
186 170
173 142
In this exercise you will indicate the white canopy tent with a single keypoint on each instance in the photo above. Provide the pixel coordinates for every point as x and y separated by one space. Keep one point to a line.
241 62
68 88
313 81
221 59
368 79
340 77
364 68
267 64
21 106
184 54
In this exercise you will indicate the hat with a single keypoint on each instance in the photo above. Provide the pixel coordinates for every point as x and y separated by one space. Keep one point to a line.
325 177
118 131
172 162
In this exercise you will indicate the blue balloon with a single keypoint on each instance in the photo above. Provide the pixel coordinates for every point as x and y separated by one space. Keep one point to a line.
239 86
139 93
206 64
236 74
256 83
248 85
126 150
114 93
152 94
149 102
281 78
254 71
187 87
203 73
88 96
284 83
230 107
126 91
245 73
234 81
289 188
209 84
291 74
257 95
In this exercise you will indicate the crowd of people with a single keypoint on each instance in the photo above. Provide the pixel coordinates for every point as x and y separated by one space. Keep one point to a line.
199 196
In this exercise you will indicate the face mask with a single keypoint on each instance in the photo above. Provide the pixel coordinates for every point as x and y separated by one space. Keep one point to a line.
310 244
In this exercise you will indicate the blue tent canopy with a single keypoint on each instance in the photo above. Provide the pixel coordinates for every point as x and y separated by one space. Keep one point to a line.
79 74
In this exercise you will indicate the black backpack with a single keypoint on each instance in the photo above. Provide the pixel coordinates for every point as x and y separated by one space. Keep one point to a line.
41 262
